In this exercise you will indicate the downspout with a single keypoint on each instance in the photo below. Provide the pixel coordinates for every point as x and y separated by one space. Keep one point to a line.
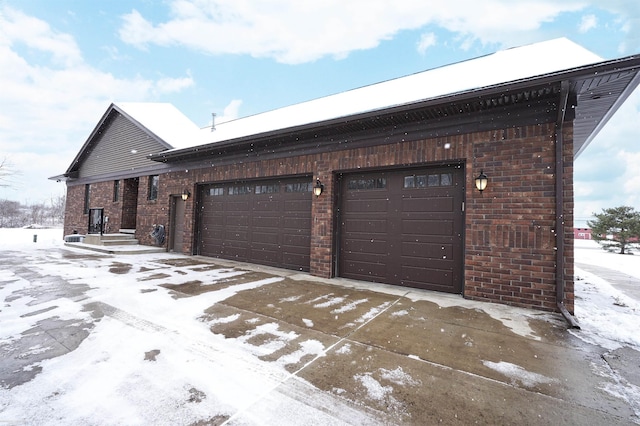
562 108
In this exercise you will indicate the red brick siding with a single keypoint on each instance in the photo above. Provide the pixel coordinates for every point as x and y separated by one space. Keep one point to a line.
101 197
509 229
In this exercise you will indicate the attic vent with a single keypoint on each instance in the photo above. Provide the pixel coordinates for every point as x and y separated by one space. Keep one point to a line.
213 121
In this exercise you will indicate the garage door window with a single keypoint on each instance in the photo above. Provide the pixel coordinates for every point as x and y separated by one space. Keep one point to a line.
298 187
267 189
216 192
423 181
240 190
367 184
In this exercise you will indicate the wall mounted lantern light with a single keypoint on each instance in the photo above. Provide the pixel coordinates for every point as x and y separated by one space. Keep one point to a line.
317 190
481 181
185 194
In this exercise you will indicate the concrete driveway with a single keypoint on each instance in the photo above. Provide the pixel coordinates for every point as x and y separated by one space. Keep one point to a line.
337 351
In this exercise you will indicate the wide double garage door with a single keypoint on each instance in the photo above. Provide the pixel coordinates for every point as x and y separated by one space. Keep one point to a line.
403 228
266 222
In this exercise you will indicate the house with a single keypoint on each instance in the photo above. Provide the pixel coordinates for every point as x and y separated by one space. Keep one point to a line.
394 165
582 233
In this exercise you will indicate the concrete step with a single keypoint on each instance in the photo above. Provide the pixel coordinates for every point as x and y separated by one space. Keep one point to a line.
109 237
125 242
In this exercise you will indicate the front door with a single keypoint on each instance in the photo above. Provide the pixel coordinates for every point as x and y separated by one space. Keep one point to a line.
176 237
129 203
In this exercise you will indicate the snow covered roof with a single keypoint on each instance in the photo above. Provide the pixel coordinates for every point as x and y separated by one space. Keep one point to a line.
500 67
164 120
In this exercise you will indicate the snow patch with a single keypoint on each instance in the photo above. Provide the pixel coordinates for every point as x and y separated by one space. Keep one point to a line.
518 374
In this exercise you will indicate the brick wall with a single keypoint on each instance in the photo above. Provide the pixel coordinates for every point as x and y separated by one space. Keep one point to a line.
509 229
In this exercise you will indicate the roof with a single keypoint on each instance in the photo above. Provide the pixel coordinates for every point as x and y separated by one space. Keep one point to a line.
426 99
163 120
503 66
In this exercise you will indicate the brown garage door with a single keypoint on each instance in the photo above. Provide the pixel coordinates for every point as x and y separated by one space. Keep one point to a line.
267 222
403 228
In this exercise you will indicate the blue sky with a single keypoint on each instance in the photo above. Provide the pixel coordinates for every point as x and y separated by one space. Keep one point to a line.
63 62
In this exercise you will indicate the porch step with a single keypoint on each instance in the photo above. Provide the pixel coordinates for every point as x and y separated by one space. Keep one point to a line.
110 239
121 243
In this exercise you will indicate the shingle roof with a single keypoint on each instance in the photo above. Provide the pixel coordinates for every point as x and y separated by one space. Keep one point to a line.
500 67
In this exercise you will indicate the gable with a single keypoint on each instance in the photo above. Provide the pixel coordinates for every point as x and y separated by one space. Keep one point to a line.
117 146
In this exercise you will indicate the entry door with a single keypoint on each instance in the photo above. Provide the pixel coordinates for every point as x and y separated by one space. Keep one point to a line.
177 224
129 203
403 227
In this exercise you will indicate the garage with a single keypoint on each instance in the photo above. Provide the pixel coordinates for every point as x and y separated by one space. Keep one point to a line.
264 222
403 227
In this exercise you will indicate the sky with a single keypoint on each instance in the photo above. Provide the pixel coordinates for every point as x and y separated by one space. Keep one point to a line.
63 62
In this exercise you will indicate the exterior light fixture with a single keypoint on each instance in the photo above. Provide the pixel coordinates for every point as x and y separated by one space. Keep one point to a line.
185 194
317 190
481 181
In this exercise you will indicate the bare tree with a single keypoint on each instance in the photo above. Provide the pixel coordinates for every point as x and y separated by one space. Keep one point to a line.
6 172
10 214
56 211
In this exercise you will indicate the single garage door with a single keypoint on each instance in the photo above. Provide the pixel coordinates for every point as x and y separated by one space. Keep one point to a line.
266 222
403 228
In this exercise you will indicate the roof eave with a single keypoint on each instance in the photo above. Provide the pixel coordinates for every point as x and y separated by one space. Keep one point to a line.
627 63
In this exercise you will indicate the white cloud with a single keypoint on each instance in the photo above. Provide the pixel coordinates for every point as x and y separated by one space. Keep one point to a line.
297 32
49 108
231 111
588 22
426 41
628 21
173 85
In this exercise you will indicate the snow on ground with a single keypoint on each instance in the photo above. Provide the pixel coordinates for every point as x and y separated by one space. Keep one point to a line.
608 317
196 372
89 384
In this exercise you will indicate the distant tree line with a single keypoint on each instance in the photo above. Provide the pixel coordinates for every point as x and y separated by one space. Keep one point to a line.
14 214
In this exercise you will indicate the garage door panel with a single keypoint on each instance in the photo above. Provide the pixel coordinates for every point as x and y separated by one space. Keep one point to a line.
296 240
267 206
371 245
370 205
264 238
419 204
266 222
427 251
427 227
361 225
407 232
376 272
298 223
235 205
301 206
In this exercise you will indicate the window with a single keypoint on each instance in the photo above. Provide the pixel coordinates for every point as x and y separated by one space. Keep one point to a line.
87 194
217 191
240 190
299 187
367 184
116 190
153 187
267 189
422 181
